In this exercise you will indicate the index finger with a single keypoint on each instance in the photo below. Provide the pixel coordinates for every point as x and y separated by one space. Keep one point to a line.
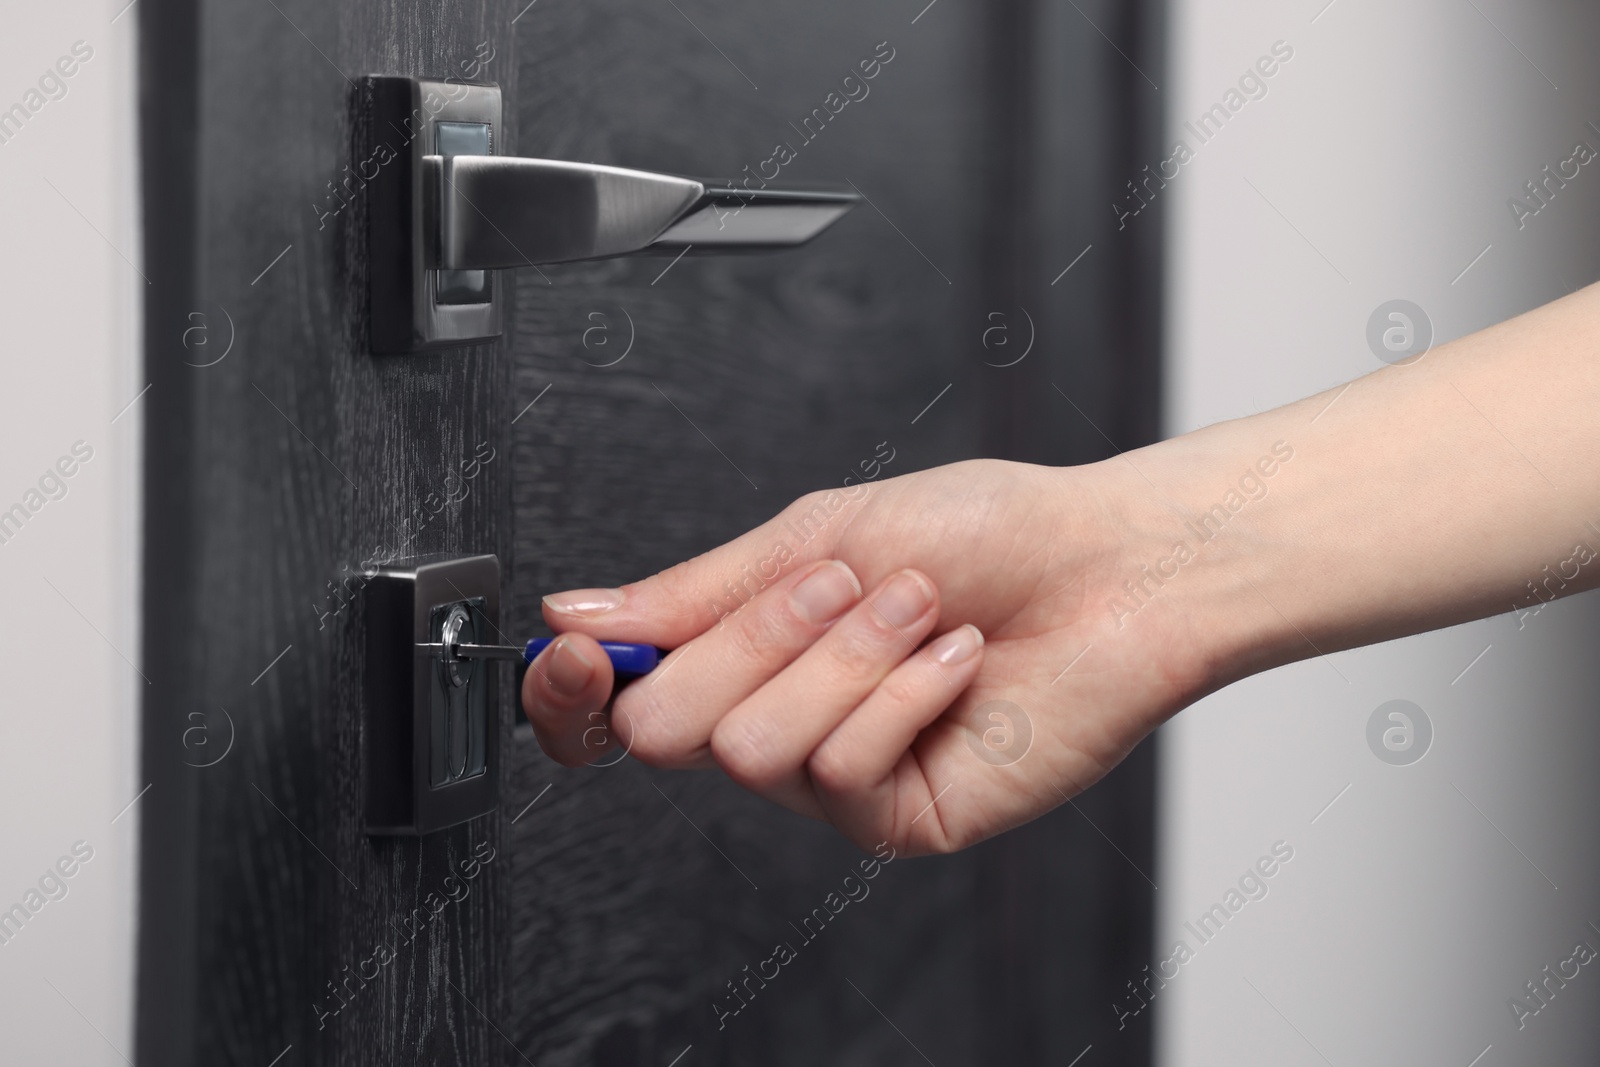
684 601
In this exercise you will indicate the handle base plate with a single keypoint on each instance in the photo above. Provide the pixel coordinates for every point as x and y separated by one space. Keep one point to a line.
411 306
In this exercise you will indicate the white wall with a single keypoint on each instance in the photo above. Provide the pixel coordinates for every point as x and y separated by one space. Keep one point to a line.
1426 896
69 300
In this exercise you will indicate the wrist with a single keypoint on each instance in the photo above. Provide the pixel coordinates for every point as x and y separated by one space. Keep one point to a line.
1419 496
1199 550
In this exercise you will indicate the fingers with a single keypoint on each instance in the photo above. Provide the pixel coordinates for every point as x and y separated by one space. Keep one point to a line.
809 695
765 742
866 747
668 718
564 694
856 770
686 600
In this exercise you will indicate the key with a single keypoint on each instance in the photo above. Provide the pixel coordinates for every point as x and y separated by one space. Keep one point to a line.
627 659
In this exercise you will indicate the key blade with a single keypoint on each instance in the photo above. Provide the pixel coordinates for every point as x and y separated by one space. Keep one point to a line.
473 651
489 652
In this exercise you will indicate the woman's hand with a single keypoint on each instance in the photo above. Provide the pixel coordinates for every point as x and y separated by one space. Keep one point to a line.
1110 595
928 660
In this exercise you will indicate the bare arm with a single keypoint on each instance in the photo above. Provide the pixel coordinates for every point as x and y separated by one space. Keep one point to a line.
1463 485
941 656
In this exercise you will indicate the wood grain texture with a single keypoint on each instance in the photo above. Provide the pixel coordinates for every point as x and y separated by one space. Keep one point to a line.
637 895
621 901
299 457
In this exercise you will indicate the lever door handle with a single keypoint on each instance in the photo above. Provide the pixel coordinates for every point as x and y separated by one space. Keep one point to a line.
506 211
446 209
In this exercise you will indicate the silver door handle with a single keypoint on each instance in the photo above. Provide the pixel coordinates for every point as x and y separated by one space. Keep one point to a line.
507 211
445 210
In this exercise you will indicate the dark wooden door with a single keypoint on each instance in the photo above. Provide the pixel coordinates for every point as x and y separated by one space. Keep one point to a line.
610 908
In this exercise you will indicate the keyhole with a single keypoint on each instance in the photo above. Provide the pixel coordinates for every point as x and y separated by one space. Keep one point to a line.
456 676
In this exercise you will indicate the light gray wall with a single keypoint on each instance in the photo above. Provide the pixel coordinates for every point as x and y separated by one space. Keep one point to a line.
1379 166
69 300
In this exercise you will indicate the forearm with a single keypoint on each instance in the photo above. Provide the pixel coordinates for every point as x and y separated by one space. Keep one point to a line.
1461 486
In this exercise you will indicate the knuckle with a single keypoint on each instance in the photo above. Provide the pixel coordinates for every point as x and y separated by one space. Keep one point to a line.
653 734
937 838
833 771
760 632
653 746
678 581
903 689
863 648
805 505
957 841
814 513
743 755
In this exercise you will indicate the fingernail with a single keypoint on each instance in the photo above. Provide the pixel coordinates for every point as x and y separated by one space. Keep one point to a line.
826 593
905 599
957 646
585 601
567 669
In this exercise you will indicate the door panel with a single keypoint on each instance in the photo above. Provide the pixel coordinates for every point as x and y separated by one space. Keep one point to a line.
619 901
636 896
278 476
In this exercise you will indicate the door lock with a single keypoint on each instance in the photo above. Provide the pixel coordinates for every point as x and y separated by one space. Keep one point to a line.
432 705
432 720
446 208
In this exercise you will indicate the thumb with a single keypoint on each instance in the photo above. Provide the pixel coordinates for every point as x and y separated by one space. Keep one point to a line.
683 601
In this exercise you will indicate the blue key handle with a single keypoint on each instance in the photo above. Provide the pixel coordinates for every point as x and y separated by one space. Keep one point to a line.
625 658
